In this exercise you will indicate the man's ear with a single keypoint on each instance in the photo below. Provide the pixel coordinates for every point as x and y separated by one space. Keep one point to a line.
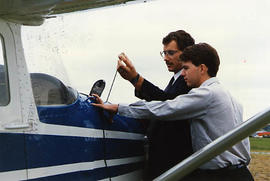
204 69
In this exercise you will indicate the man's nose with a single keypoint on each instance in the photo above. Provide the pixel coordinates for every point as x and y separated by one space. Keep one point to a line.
166 58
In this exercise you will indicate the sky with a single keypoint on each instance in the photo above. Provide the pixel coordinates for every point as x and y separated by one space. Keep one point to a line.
80 48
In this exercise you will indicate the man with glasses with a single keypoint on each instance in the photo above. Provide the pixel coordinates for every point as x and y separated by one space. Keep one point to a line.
162 135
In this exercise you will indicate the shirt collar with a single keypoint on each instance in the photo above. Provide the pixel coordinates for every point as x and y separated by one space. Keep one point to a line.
209 81
177 75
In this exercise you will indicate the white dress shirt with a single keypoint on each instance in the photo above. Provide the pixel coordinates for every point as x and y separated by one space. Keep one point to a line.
175 76
212 111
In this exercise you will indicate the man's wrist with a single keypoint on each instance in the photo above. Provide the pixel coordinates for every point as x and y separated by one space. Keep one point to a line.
135 79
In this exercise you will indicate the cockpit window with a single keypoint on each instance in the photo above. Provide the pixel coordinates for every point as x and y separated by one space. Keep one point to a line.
4 86
49 90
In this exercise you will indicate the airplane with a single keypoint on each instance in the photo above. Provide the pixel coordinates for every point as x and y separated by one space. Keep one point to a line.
48 130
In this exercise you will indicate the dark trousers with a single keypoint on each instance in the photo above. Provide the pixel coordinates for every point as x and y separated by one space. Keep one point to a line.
232 173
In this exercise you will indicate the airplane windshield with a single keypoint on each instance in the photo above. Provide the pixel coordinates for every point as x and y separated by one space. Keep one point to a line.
4 88
49 90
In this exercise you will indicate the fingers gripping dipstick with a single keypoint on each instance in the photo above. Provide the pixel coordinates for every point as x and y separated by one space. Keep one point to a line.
121 70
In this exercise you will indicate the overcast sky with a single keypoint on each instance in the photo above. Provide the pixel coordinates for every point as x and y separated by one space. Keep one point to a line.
80 48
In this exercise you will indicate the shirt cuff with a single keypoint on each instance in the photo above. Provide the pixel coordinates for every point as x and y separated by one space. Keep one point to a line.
121 109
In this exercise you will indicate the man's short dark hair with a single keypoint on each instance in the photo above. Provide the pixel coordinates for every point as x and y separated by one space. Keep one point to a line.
182 38
202 53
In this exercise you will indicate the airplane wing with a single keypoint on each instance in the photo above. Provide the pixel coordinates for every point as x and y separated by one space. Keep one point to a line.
34 12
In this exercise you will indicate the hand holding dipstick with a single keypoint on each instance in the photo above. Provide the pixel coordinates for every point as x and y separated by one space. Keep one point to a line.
126 68
128 71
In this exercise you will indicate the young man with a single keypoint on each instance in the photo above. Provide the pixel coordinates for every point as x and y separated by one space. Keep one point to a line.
211 110
163 152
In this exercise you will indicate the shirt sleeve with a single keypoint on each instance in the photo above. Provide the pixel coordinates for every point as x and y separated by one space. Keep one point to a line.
187 106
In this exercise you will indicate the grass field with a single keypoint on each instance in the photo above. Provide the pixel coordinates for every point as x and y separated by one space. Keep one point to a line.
260 158
259 144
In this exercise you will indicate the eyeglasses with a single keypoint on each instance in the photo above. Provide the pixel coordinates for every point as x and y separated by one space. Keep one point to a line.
168 52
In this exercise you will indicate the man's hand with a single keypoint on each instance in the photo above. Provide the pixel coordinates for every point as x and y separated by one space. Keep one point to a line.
126 69
112 108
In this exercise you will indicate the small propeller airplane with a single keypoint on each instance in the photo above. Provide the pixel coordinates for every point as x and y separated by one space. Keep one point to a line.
49 131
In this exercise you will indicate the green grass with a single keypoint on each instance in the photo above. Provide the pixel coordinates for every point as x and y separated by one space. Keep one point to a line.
259 144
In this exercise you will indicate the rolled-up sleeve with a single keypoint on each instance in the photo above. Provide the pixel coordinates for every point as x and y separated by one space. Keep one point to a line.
191 105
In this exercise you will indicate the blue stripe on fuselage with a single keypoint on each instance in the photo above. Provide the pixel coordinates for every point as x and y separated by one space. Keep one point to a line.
12 153
122 169
49 150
